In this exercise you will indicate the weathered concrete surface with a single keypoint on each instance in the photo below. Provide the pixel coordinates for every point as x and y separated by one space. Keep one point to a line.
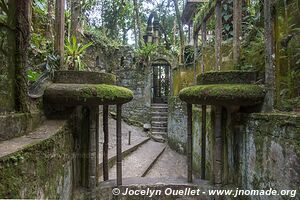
138 162
17 124
38 165
271 152
261 151
177 124
177 133
170 164
138 79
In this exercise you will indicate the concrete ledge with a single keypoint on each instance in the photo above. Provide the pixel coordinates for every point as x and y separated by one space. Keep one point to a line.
44 132
223 94
18 124
38 165
87 94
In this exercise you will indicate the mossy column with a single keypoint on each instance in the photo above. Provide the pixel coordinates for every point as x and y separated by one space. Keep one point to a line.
218 151
60 29
190 142
105 143
93 145
218 29
119 145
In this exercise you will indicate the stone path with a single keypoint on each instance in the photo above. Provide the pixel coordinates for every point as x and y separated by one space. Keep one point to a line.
151 159
137 133
170 164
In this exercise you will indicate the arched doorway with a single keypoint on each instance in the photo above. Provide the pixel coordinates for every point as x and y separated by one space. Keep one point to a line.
161 82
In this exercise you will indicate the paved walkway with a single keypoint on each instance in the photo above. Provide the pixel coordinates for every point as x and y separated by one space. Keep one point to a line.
168 164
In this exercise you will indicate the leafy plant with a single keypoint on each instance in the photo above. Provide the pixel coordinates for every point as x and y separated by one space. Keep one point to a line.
289 84
45 69
32 75
145 53
74 54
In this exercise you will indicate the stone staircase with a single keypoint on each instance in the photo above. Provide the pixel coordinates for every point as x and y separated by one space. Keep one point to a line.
159 120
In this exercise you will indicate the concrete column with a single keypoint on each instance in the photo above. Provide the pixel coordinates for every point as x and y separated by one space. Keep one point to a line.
190 142
119 145
105 143
218 161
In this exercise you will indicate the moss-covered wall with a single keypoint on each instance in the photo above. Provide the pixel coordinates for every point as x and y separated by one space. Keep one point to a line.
271 152
17 124
260 151
40 171
138 79
177 133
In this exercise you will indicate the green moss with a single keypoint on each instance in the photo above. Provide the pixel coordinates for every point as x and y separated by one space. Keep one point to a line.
37 167
108 93
87 94
227 77
227 94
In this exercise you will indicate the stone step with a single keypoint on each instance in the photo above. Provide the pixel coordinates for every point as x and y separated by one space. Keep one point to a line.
159 109
143 158
126 150
159 114
159 129
159 119
159 105
159 124
164 134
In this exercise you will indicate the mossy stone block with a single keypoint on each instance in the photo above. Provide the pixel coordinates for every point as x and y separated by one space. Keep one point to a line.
87 94
84 77
227 94
227 77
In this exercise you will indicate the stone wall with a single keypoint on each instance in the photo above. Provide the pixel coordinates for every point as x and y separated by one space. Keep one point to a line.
39 171
138 79
177 133
18 124
262 151
271 152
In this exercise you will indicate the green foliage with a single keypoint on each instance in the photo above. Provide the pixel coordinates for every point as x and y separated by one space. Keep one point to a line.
253 54
289 82
146 52
74 54
32 75
45 69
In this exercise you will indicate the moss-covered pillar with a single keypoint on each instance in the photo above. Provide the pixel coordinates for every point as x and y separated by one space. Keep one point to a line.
105 143
218 160
93 132
203 141
218 42
190 142
119 145
204 38
270 64
60 29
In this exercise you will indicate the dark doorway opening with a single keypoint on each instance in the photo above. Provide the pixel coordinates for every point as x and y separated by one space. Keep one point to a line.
161 82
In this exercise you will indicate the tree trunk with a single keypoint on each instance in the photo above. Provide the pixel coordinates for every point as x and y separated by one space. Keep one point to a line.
218 35
138 23
181 35
49 32
60 30
23 20
270 55
237 25
203 36
75 18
